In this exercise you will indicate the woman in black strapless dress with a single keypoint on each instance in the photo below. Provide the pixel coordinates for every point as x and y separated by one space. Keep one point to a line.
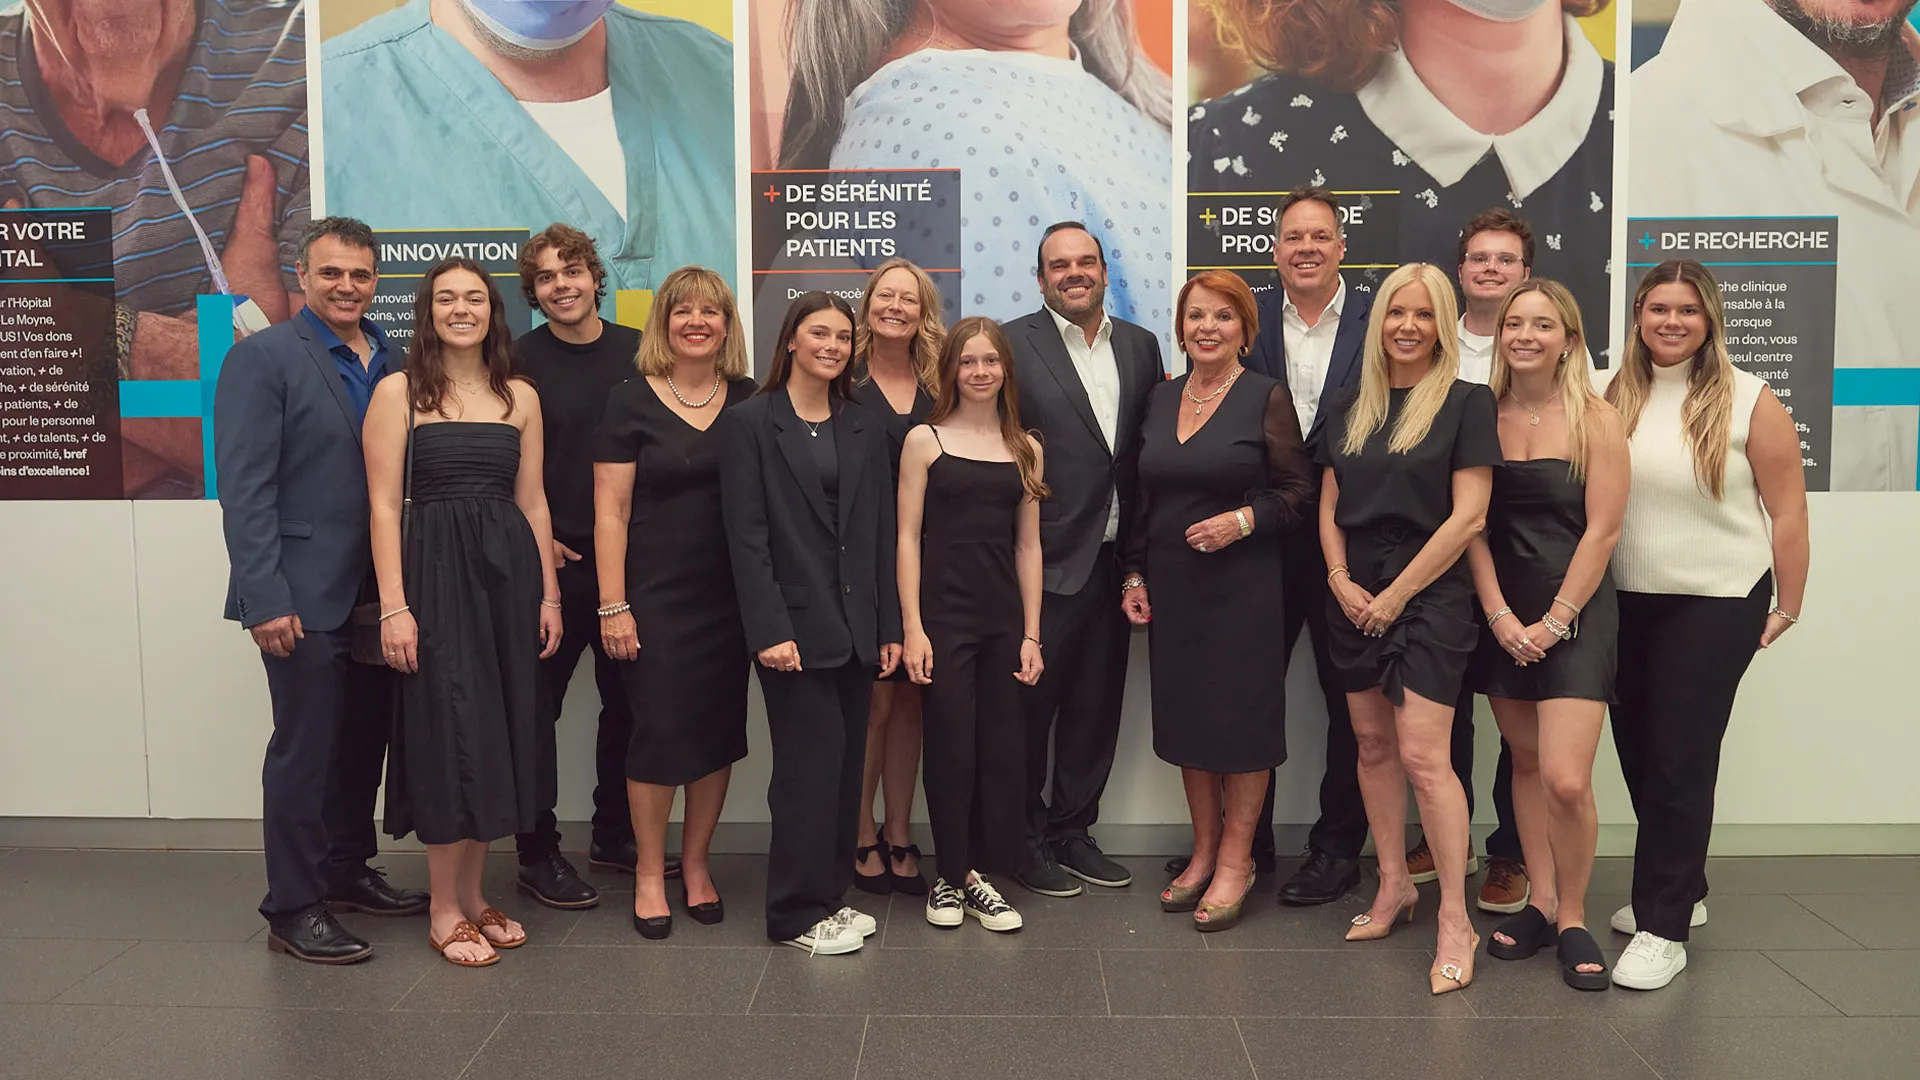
970 582
468 599
1547 651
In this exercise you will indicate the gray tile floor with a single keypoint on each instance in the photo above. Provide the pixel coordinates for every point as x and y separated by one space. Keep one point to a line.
129 965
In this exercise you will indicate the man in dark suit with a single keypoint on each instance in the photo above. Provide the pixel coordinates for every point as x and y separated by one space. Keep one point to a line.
293 501
1084 379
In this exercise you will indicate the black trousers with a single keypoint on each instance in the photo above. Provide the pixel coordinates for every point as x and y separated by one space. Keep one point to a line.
818 721
1681 661
579 611
331 720
1076 703
1341 830
975 765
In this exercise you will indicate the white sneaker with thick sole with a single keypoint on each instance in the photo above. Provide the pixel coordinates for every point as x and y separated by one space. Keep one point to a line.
858 921
944 905
828 938
985 903
1650 962
1623 921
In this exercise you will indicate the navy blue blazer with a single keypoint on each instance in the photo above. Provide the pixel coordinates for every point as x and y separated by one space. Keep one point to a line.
293 480
1268 356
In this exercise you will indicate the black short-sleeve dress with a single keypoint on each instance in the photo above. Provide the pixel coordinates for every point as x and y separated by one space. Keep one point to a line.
1390 506
870 394
689 684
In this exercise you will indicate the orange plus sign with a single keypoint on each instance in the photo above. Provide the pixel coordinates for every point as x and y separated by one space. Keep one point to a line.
772 193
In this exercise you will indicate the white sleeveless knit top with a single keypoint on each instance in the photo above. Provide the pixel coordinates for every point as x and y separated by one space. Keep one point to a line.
1677 538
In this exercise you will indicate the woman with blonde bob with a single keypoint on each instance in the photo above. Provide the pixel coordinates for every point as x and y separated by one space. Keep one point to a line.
1711 564
1546 656
896 355
667 602
969 572
1408 470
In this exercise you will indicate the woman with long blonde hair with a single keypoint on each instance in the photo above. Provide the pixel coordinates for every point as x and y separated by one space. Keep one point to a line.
897 336
970 584
1711 564
1408 470
1546 656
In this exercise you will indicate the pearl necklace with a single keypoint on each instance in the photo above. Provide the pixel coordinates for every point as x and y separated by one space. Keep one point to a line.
703 402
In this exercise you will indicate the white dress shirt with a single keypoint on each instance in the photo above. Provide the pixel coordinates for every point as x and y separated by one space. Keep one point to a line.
1476 355
1309 352
1100 375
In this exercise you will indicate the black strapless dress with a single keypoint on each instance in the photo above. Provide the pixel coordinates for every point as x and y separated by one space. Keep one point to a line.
1535 521
461 765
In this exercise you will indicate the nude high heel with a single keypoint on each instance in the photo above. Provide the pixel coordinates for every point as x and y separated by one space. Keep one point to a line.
1364 927
1446 978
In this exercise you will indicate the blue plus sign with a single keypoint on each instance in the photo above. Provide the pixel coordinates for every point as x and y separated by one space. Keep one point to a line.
1646 240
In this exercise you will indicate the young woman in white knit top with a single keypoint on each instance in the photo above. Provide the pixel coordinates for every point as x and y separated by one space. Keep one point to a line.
1715 529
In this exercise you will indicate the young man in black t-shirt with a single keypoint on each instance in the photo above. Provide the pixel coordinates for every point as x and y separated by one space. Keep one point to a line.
575 359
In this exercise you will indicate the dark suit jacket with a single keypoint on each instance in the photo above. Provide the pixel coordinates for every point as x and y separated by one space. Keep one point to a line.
825 584
1268 356
1081 469
293 481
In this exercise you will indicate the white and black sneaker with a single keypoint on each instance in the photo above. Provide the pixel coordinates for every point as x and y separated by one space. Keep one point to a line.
944 905
985 903
858 921
829 937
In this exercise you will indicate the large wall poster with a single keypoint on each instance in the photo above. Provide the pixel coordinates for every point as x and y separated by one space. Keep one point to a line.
1074 125
185 121
1388 111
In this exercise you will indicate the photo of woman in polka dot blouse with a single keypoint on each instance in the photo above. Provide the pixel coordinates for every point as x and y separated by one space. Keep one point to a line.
1051 109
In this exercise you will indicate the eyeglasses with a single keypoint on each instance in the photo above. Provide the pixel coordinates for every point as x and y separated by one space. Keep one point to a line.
1503 260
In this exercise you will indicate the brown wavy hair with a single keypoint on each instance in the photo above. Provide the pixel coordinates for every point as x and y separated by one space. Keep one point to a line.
926 340
571 245
1336 42
427 381
1707 411
947 396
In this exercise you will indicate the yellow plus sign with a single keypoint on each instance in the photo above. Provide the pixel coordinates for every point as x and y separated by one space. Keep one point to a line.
1209 216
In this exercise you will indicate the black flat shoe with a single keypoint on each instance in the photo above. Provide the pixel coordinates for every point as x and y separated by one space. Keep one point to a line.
878 884
905 884
711 913
655 927
372 894
1530 932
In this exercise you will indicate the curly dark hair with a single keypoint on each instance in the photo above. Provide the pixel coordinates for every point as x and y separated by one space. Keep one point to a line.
572 245
1336 42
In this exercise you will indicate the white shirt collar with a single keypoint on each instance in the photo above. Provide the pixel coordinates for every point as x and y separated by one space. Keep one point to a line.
1074 336
1334 306
1406 112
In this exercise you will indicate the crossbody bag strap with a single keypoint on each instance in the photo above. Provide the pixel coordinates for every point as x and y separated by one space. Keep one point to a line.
406 491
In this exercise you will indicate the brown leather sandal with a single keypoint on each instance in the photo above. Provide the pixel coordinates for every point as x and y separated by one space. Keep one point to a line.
495 917
464 931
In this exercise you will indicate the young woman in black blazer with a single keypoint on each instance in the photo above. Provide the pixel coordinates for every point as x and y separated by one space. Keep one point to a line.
805 485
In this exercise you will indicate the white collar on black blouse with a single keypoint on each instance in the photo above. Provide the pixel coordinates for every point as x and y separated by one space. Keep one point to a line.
1406 112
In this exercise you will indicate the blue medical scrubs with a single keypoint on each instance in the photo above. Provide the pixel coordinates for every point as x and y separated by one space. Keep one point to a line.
421 136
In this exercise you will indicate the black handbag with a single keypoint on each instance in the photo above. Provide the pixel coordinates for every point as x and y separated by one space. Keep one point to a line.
363 638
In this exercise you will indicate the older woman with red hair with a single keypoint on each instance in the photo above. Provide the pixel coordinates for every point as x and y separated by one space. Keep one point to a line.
1221 474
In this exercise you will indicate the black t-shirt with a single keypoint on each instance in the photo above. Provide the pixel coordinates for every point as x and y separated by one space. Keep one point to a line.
574 381
1414 489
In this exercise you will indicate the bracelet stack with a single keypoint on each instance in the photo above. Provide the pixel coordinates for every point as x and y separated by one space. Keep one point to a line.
609 610
1556 627
550 601
1498 615
1337 568
1132 582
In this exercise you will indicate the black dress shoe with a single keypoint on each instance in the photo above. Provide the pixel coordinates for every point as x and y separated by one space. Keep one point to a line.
1178 865
316 938
1321 880
1262 859
622 857
554 882
654 927
711 913
372 894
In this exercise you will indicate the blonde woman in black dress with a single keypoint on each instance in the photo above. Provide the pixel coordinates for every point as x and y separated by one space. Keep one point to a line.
1547 653
1409 460
666 588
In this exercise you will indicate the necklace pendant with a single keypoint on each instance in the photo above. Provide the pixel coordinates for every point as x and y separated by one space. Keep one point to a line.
1534 420
813 433
1196 410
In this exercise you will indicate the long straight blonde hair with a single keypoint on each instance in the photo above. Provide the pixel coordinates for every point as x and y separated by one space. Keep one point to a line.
1707 413
1369 411
947 397
1571 380
836 44
925 352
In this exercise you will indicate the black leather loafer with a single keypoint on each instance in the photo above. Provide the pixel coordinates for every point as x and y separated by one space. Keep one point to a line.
372 894
1322 879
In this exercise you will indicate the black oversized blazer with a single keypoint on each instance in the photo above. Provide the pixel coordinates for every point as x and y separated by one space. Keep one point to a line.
825 583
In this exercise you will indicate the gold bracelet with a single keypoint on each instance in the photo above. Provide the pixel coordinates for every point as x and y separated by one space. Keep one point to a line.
1568 604
1340 568
390 614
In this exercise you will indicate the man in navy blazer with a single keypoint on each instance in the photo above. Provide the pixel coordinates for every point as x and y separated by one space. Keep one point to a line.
293 502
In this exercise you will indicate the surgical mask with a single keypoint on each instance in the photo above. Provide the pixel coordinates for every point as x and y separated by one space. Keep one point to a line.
247 316
1500 10
538 25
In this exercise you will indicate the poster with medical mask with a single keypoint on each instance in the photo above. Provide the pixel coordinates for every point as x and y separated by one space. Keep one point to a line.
1774 119
615 118
187 122
1402 115
1049 110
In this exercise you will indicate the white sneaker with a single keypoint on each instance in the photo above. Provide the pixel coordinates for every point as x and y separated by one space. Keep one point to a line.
1623 921
856 920
985 903
1650 962
944 905
828 938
